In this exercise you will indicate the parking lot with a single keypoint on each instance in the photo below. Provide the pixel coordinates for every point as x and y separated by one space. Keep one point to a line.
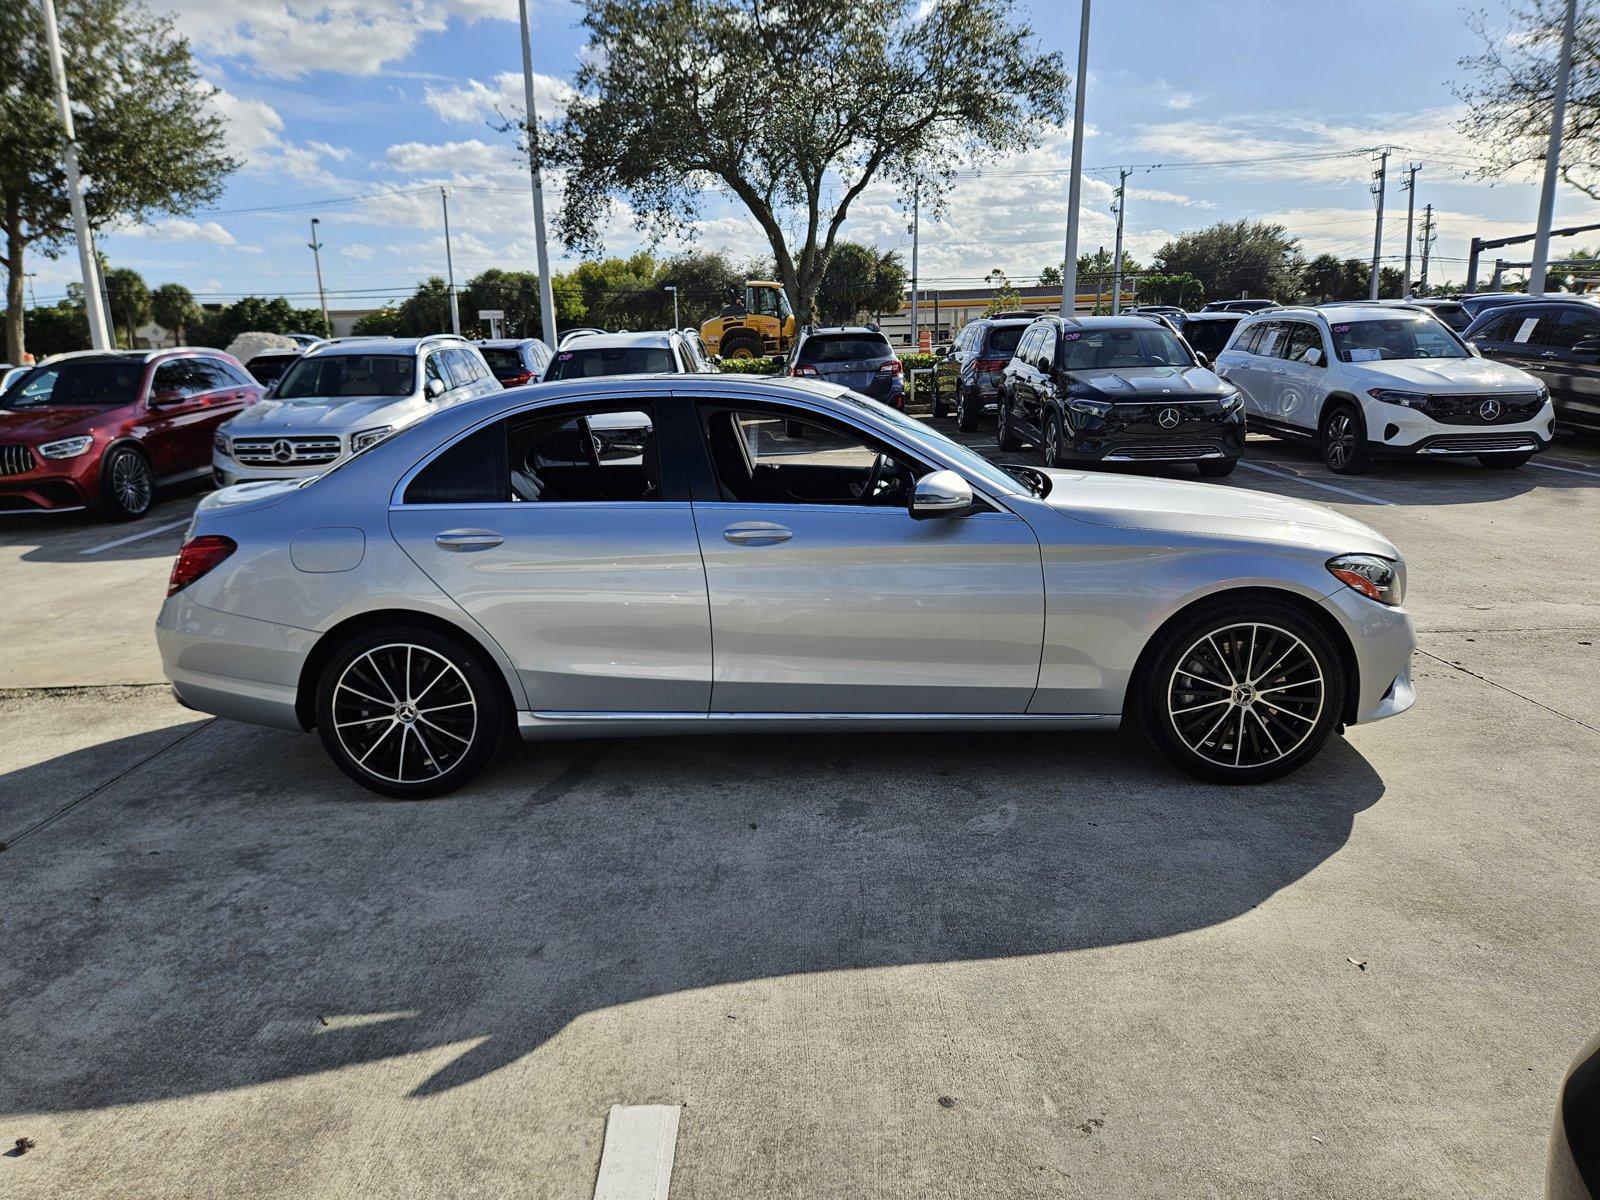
954 966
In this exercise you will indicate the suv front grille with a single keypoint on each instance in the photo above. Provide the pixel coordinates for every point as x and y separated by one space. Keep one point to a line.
1478 443
15 460
1468 410
287 451
1158 453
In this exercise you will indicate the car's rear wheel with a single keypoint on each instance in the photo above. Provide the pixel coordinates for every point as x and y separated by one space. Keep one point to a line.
1241 693
936 404
1005 435
127 484
969 410
1053 449
1342 438
409 711
1216 468
1504 462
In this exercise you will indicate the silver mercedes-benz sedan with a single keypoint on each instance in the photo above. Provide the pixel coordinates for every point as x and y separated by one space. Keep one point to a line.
667 554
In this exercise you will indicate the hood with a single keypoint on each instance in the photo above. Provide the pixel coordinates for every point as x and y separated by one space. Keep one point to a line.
1148 385
1445 375
51 421
1176 506
340 415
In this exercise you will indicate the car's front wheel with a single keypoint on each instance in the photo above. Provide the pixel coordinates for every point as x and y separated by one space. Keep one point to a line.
127 484
1053 455
1241 693
1343 440
409 711
1503 462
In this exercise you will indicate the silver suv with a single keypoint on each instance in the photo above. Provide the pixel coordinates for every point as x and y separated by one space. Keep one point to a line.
340 398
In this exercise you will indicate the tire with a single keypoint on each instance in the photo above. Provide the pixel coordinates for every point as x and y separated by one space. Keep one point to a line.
1004 435
969 411
127 484
1185 676
1216 468
368 698
1342 440
936 405
1503 462
738 346
1052 441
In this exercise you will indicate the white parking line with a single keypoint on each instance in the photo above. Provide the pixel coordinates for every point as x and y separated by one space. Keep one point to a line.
134 537
1327 487
1549 466
636 1163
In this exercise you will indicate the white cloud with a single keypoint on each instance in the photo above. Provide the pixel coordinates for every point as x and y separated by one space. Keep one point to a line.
455 158
176 229
255 137
337 153
476 102
358 252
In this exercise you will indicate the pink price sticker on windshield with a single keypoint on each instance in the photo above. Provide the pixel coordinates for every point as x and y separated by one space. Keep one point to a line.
1071 337
564 355
1341 329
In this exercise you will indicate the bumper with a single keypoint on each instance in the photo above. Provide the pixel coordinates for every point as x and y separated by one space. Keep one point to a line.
232 666
1395 431
1481 441
1383 640
60 485
1101 441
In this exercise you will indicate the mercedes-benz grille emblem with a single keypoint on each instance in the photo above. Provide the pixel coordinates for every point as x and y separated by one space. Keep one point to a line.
283 451
1489 409
1169 418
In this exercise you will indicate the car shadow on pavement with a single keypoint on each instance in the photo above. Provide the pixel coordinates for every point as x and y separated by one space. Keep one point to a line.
235 912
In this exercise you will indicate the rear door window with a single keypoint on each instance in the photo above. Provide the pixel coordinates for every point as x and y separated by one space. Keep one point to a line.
1573 326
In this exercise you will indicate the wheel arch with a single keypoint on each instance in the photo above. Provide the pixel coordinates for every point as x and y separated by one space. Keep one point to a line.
1340 398
1304 604
305 700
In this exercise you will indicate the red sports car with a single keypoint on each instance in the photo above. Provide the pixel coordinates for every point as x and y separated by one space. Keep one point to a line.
105 429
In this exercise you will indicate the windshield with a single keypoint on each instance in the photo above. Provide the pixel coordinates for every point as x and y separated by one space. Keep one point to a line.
344 376
1209 337
269 367
104 382
1395 338
844 348
1121 349
595 361
969 460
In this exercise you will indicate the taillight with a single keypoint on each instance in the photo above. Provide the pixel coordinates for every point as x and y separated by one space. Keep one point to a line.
802 369
990 364
198 556
512 381
893 367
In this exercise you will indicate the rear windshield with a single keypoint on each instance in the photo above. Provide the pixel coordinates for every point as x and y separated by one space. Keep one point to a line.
1209 337
503 361
1003 339
342 375
1120 349
268 367
594 361
99 383
1396 338
845 348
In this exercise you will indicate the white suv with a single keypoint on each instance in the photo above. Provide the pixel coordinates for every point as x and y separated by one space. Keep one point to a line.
343 396
1365 382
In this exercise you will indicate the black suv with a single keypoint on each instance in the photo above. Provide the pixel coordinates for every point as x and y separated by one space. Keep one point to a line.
1558 342
976 359
1117 390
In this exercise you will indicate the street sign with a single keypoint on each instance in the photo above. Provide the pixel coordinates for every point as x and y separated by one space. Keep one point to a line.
491 314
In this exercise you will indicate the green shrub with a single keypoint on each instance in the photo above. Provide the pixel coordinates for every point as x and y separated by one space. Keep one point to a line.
750 366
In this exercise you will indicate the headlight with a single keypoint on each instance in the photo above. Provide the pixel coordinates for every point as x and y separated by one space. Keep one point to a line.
1232 401
1087 407
1416 400
369 437
67 447
1375 578
221 444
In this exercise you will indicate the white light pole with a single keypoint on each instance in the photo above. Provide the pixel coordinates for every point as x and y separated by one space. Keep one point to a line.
450 265
93 293
547 298
1069 262
1552 158
322 294
673 288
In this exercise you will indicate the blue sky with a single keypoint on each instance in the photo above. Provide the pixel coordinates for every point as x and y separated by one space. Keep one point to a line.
335 99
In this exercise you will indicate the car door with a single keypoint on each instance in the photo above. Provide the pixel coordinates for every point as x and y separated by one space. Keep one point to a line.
1573 375
1297 381
828 597
1251 372
567 534
1028 380
231 391
178 429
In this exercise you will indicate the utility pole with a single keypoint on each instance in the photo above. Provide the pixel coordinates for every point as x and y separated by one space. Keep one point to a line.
1552 158
316 255
1411 209
1116 266
88 262
1069 262
1427 244
673 288
1382 177
450 265
547 298
914 231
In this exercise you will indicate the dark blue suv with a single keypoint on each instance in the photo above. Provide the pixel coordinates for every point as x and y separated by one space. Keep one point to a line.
855 357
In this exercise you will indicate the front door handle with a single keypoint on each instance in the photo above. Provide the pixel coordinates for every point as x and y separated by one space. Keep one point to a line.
468 539
756 533
1548 354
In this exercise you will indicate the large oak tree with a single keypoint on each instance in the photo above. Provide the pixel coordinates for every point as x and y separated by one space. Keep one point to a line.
149 141
793 108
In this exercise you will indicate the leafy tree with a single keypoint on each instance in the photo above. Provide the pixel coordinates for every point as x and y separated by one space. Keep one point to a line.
129 298
1391 283
426 310
254 314
1050 277
1512 82
704 280
172 306
381 322
1182 290
1005 295
148 140
792 110
1236 258
1323 279
58 328
860 280
621 293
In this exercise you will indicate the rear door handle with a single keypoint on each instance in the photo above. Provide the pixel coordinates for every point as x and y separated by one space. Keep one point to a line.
1549 354
468 539
756 533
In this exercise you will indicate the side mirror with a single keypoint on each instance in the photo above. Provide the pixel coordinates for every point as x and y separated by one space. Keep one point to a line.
1202 358
940 494
1312 355
941 351
435 388
165 397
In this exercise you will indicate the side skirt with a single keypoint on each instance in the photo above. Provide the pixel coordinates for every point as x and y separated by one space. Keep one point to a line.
541 726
